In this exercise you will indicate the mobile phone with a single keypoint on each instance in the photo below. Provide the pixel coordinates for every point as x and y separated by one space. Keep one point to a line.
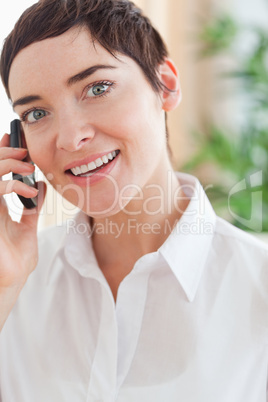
16 141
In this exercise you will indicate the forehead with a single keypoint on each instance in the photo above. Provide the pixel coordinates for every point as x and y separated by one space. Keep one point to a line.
59 58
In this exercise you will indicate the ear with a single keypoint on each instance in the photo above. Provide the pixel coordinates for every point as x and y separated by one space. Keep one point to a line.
169 77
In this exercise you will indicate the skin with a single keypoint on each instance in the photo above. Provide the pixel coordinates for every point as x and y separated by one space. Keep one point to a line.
75 125
18 241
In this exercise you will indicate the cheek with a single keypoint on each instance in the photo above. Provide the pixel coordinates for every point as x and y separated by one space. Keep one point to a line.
132 114
40 158
41 152
36 154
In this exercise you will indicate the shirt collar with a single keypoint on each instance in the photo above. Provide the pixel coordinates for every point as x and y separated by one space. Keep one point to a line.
186 249
78 248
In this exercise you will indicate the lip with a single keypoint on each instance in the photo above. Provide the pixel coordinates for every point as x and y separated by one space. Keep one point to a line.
87 160
96 177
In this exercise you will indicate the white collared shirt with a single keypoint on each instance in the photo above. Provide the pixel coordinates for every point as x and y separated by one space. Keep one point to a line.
190 323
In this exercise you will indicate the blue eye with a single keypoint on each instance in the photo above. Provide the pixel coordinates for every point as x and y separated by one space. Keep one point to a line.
35 115
98 90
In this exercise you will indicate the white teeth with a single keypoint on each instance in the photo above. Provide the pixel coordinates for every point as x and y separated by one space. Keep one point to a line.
78 170
84 168
91 166
99 162
105 159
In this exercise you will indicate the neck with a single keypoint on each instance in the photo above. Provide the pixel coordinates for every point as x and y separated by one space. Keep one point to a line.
142 226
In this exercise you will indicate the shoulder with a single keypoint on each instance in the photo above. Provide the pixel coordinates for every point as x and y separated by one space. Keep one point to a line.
241 256
245 243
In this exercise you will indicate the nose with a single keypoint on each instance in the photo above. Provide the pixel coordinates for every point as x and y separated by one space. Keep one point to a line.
73 132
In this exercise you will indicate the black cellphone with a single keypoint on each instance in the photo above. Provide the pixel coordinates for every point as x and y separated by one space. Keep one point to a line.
16 141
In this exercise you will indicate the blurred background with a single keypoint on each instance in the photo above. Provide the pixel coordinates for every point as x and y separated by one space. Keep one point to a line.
220 130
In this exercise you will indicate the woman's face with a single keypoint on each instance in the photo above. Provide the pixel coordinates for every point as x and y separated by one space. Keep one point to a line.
92 122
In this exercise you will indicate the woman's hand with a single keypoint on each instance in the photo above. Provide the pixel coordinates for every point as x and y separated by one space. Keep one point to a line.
18 240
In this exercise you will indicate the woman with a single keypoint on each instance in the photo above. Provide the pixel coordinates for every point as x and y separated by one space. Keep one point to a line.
146 294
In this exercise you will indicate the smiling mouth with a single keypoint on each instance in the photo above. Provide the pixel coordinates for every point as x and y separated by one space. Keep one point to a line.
94 166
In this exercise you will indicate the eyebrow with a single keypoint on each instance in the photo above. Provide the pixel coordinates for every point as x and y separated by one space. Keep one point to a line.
71 81
87 72
25 100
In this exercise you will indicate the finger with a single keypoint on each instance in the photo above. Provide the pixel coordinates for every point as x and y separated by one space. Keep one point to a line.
16 186
4 142
15 166
14 153
30 216
6 151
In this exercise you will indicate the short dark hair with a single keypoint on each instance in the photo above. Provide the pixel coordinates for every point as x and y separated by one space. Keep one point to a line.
118 25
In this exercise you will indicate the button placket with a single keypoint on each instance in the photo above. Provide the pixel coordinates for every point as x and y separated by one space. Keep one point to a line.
130 305
102 383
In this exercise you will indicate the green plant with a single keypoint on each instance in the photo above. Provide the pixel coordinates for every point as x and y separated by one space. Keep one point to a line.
238 156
